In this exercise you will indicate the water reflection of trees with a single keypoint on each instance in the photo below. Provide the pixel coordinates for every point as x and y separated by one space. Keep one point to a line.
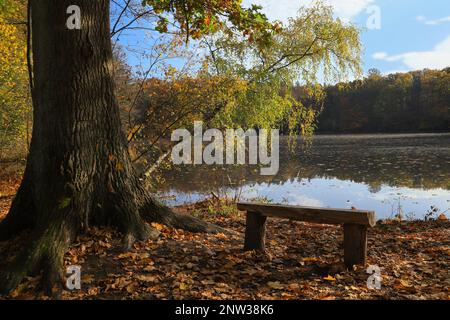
415 162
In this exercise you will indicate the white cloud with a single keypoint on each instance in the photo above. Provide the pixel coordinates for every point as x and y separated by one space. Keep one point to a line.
283 9
379 55
409 193
438 58
303 200
433 22
421 18
349 8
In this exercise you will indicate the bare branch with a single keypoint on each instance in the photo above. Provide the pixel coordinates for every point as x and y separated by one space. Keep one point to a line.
113 32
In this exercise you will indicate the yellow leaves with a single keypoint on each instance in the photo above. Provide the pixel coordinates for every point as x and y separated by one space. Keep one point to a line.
14 94
328 298
350 288
329 278
170 71
183 286
222 235
275 285
158 226
312 259
93 291
119 166
13 48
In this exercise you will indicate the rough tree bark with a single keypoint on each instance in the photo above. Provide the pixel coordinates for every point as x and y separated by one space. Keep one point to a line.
78 172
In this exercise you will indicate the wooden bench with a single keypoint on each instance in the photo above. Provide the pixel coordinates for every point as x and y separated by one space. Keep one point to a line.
355 224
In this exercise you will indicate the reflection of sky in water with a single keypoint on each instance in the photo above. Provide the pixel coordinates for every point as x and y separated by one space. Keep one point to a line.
384 173
335 193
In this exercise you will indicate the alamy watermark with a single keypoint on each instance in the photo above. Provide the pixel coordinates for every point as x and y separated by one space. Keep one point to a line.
73 281
73 22
227 149
374 280
373 22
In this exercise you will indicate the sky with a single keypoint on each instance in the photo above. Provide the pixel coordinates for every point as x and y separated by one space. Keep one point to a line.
397 35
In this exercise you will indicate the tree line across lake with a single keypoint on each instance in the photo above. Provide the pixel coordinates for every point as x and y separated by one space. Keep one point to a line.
417 101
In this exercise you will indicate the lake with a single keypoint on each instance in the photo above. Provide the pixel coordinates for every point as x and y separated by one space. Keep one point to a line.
407 175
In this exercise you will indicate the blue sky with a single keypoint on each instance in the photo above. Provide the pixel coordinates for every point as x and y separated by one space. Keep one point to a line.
412 34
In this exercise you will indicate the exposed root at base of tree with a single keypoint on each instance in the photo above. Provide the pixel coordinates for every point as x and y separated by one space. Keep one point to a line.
176 220
44 250
50 238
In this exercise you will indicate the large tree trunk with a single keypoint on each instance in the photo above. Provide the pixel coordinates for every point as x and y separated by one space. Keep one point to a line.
79 171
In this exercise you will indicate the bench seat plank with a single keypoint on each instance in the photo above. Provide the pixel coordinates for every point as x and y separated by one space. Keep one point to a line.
314 215
355 224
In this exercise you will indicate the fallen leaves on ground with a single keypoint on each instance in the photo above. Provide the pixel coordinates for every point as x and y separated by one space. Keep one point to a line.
303 261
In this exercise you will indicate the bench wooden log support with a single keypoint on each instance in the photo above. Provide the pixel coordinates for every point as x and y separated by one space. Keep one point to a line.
355 224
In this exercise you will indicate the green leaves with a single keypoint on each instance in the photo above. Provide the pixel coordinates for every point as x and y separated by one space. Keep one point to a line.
197 18
162 24
312 42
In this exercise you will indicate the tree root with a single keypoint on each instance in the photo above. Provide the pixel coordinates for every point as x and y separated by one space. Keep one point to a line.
143 233
128 219
155 211
129 209
52 276
44 250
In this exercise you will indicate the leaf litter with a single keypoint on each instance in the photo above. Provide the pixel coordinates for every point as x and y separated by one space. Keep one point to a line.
302 261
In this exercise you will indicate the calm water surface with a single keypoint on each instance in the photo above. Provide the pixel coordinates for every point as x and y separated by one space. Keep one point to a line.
390 174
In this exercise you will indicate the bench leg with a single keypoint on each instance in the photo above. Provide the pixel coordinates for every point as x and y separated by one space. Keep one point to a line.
255 232
355 245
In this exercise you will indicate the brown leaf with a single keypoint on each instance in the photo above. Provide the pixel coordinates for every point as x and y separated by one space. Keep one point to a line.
146 278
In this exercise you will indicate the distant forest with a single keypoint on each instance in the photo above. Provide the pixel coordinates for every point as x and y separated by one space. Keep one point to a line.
417 101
